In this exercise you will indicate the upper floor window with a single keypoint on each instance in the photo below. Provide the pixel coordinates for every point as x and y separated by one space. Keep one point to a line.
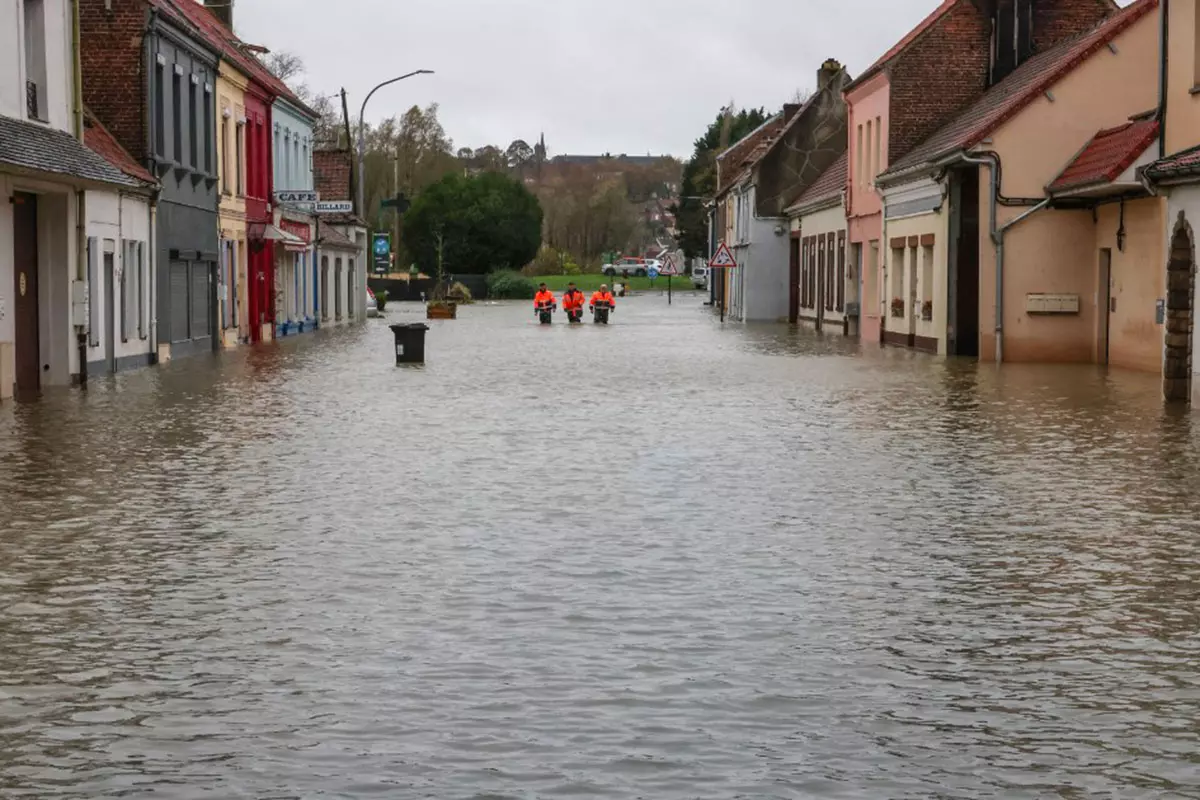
1196 50
240 158
297 167
878 148
226 154
177 113
160 120
208 129
36 106
193 123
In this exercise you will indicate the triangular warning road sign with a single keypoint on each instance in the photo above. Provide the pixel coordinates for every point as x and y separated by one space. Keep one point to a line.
722 259
668 267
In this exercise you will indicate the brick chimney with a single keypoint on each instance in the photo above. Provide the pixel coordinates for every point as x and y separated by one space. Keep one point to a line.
828 73
789 111
222 10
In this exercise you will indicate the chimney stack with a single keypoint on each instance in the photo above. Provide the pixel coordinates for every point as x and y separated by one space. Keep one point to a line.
222 10
827 73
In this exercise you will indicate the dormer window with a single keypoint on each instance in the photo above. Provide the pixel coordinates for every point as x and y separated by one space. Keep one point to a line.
36 105
1012 36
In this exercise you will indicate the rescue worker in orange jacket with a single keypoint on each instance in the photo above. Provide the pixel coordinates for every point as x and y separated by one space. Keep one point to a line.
603 295
572 299
544 297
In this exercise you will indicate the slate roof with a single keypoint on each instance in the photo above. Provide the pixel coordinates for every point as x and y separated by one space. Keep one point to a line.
230 47
735 158
1004 100
34 147
332 237
100 141
827 187
1109 153
901 45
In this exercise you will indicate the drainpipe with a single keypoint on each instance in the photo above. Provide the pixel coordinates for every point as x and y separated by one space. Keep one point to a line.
997 235
1164 13
77 72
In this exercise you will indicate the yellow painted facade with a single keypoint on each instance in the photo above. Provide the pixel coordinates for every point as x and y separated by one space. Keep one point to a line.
231 90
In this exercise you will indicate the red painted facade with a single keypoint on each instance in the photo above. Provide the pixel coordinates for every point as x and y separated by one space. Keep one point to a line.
259 177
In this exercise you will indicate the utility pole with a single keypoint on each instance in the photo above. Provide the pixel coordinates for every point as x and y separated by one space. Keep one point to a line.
396 193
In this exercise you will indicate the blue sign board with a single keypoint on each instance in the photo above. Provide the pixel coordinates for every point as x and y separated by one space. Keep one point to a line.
381 246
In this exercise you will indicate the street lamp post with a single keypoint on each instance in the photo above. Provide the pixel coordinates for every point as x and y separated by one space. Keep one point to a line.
361 146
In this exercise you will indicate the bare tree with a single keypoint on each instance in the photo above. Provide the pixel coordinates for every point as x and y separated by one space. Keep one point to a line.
283 65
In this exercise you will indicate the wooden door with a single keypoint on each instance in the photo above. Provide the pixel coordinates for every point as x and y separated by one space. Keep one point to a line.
1104 306
25 289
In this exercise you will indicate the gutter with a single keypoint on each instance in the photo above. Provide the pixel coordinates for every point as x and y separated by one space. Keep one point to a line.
81 254
1164 12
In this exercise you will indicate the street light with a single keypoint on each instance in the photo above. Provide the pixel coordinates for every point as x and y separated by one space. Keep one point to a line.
361 151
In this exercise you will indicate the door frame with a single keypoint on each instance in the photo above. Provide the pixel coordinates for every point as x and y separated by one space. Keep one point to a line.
794 278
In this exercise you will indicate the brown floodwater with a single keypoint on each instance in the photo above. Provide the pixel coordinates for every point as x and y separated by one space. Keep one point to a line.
664 559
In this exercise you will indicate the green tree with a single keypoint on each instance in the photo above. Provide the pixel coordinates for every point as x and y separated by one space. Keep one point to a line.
700 175
473 225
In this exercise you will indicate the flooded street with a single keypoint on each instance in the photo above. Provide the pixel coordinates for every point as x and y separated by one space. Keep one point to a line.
663 559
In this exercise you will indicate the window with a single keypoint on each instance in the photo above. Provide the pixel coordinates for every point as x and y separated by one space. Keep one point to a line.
897 267
873 290
160 120
295 182
193 120
93 253
878 149
177 113
868 177
858 158
239 158
337 290
353 288
830 269
278 160
226 153
841 271
1196 54
208 130
143 271
927 280
128 287
36 85
305 169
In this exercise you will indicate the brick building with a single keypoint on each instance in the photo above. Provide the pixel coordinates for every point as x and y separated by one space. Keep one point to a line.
916 87
149 78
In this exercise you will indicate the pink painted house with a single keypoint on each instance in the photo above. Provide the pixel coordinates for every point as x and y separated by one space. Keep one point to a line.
945 63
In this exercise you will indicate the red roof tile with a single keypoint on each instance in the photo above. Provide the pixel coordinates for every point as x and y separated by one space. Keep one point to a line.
1004 100
104 144
1107 155
1183 163
229 47
828 186
899 47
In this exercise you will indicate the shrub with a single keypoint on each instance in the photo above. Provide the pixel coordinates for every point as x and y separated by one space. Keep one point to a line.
509 285
460 294
381 299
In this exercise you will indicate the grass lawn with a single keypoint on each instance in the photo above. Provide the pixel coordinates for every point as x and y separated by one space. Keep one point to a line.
590 283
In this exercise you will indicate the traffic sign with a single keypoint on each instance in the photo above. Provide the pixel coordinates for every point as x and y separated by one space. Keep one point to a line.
652 272
722 259
669 267
381 247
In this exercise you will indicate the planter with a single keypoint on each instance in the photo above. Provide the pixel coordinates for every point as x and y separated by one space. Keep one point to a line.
441 310
898 308
927 310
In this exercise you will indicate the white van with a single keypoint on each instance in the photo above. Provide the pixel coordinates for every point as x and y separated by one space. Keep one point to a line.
700 276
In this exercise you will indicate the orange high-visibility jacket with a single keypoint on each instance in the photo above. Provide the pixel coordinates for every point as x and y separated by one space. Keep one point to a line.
543 298
572 300
603 297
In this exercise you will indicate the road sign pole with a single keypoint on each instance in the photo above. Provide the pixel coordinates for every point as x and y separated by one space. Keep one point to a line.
668 289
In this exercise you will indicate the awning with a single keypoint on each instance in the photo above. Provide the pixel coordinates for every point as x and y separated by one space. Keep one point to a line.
265 232
1108 164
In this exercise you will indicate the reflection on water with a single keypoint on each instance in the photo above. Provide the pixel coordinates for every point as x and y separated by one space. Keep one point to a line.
663 559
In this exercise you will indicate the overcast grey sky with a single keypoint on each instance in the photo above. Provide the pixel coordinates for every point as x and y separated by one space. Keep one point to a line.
624 76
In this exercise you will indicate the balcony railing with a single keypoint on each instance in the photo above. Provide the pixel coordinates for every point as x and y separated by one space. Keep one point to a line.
31 100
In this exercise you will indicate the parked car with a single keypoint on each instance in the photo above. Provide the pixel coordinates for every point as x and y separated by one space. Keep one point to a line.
700 277
372 306
632 265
